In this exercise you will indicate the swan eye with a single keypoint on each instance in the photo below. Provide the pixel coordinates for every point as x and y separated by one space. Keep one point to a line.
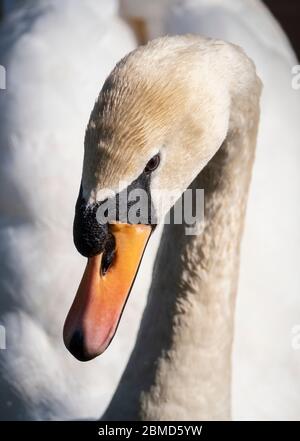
152 164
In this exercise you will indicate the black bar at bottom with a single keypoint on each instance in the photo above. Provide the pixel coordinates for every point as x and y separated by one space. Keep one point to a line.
142 430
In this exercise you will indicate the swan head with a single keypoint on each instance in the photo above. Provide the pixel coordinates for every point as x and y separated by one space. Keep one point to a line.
161 115
162 99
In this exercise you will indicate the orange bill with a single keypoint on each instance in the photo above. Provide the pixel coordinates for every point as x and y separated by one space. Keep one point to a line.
97 308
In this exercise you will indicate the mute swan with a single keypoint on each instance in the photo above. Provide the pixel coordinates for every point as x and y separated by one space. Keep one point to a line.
163 113
69 390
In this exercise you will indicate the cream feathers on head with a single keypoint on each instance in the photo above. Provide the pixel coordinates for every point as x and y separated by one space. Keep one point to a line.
171 96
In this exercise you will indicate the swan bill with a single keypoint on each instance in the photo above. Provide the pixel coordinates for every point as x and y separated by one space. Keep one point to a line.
100 299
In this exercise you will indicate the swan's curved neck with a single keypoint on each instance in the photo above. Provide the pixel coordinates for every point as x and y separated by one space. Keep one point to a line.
180 367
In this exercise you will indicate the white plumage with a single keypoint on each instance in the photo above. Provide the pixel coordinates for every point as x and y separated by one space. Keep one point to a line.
57 56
